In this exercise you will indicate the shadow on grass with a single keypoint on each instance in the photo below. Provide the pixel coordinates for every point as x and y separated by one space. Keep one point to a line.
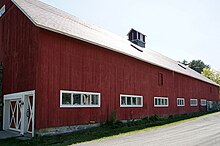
105 130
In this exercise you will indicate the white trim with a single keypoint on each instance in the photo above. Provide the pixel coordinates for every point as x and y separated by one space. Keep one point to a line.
203 102
18 95
180 99
132 96
33 110
192 99
166 98
71 105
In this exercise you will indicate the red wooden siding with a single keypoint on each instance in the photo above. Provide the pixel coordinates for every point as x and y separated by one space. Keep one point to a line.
68 64
19 46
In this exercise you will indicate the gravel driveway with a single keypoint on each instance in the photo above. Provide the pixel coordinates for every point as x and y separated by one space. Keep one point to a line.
203 131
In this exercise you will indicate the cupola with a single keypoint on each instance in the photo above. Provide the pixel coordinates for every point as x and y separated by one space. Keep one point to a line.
137 38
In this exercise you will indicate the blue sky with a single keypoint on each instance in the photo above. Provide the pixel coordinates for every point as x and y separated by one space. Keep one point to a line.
179 29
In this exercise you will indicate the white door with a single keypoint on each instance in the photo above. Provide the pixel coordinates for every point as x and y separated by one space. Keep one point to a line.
29 113
18 112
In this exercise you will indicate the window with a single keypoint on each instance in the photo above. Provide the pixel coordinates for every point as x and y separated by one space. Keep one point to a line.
160 79
132 35
203 102
193 102
141 37
180 102
79 99
131 101
2 10
161 102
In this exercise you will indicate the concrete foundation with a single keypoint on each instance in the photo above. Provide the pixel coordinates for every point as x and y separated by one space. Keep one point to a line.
64 129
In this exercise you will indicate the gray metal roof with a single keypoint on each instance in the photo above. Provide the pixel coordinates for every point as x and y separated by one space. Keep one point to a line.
53 19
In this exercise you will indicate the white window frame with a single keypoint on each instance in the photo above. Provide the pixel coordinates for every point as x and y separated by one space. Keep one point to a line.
162 98
180 99
132 96
203 102
71 105
194 100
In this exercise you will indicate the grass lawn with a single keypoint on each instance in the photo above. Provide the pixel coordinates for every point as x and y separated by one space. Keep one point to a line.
105 130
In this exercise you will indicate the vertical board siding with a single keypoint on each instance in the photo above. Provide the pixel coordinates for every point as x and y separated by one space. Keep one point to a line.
68 64
18 51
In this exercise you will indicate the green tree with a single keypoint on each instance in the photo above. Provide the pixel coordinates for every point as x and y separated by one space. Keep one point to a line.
213 75
185 62
198 65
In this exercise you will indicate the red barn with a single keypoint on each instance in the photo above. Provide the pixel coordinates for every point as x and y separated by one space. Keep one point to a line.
60 73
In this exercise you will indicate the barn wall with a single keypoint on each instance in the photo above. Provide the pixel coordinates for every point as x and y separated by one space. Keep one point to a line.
68 64
18 46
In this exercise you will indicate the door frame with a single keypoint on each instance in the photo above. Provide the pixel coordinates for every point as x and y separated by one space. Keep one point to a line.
24 105
1 96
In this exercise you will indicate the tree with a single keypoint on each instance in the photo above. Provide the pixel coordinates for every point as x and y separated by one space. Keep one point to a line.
198 65
212 75
185 62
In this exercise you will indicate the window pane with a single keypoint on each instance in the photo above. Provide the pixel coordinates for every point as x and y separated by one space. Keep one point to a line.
134 101
165 103
86 99
139 101
95 100
123 100
128 100
141 37
132 35
179 102
66 98
159 101
77 99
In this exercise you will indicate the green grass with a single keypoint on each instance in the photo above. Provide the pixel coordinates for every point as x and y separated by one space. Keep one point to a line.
105 130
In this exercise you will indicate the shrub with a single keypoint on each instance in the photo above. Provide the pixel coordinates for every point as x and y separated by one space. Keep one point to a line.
154 118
